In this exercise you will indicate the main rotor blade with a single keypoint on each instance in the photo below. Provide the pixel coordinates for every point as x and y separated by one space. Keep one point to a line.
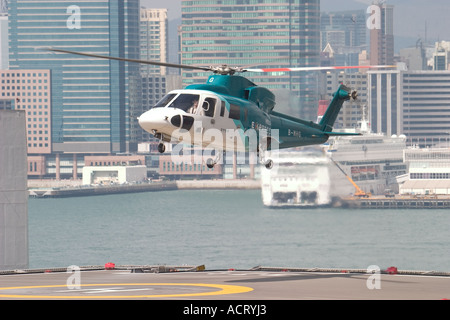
156 63
315 68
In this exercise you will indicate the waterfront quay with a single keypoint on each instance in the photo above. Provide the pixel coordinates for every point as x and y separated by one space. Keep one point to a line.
49 190
80 191
74 190
399 202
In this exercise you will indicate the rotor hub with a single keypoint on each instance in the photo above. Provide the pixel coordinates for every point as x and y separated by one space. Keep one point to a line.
226 70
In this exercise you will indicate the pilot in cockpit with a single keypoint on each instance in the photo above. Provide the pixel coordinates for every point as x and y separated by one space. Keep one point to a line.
193 108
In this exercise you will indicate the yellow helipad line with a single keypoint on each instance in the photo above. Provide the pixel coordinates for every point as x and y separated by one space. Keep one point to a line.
222 290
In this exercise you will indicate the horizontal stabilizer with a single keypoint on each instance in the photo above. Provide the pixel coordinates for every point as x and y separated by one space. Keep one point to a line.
342 134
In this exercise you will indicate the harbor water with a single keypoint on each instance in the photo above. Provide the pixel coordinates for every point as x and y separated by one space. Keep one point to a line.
231 229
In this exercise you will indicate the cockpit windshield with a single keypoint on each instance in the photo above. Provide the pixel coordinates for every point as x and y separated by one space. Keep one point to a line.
184 101
164 101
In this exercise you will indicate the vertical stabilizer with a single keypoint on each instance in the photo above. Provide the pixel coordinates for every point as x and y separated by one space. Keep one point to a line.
342 94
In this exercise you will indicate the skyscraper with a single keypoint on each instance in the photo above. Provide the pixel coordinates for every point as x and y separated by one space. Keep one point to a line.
3 34
30 90
265 33
441 55
94 102
385 101
154 39
414 103
382 34
348 26
3 6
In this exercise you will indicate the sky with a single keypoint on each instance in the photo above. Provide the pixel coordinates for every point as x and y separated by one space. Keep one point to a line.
410 16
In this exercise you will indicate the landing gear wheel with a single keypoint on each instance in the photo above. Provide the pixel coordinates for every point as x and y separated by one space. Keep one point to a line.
161 148
267 163
210 163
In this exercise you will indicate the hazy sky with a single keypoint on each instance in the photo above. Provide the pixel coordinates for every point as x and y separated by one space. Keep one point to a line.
410 16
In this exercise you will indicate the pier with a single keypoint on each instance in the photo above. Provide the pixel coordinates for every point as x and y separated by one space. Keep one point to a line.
86 190
82 191
373 202
399 203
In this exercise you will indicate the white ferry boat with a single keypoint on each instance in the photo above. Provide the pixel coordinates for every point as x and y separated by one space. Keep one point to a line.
299 178
307 177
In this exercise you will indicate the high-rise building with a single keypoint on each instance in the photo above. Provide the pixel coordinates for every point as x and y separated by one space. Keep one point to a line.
384 98
94 102
4 51
154 44
414 57
343 36
382 34
154 39
4 34
441 55
3 6
30 90
154 47
413 103
263 33
343 29
426 106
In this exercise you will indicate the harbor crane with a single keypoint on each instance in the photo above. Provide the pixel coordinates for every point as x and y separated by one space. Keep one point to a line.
359 192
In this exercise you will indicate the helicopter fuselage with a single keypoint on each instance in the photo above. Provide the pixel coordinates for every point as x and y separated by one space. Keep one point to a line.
228 113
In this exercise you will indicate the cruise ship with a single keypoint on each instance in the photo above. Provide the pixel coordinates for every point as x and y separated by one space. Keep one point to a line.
372 160
299 178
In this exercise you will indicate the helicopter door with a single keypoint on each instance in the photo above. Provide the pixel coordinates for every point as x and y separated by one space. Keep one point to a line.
208 110
209 107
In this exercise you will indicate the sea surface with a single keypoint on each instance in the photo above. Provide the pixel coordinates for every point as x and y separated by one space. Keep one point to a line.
231 229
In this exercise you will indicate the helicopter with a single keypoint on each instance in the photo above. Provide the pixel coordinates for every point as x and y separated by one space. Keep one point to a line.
230 112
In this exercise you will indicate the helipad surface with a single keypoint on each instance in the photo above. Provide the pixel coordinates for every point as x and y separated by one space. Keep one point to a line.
222 285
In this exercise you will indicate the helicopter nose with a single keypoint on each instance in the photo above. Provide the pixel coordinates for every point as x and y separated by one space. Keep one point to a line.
154 120
159 119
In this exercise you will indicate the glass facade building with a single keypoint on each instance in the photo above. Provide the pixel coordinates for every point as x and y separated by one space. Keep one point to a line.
351 24
4 40
256 33
94 102
154 39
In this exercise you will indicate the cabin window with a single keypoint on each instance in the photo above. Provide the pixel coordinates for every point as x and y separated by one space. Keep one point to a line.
222 109
235 112
209 106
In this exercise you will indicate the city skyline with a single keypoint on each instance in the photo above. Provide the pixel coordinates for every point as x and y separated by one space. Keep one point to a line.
78 126
411 17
